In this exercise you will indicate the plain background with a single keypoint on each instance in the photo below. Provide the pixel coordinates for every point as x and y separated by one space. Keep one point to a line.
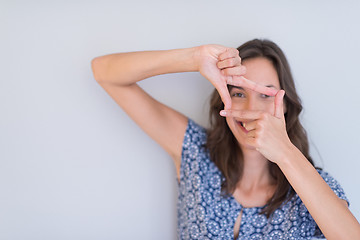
74 166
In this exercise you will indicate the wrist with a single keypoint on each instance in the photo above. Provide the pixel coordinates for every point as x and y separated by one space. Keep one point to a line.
178 60
289 156
195 57
289 150
187 59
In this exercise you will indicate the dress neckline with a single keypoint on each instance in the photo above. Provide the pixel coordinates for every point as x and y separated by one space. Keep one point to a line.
232 198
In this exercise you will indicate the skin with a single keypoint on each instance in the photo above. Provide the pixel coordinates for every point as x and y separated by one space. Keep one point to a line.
256 185
264 121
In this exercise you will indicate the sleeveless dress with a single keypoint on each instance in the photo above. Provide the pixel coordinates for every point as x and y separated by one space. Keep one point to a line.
203 213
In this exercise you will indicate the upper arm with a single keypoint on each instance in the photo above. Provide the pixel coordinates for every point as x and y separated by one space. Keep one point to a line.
162 123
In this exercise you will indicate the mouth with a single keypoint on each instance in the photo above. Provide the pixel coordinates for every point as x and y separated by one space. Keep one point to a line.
241 124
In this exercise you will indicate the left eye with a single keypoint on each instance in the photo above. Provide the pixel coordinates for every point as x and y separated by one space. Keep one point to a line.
265 96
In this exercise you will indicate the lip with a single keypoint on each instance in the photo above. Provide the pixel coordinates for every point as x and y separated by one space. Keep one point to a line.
241 126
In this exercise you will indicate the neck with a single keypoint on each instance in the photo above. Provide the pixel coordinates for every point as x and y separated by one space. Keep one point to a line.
256 171
256 186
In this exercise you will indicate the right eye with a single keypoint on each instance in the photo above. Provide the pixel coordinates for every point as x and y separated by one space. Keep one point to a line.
237 94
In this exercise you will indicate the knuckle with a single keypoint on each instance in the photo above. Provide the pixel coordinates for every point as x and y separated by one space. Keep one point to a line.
260 132
230 80
236 71
230 62
243 69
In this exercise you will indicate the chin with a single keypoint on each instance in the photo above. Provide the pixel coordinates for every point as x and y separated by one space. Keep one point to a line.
239 133
243 146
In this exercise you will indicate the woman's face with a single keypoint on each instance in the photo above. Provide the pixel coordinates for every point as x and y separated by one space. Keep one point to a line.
262 71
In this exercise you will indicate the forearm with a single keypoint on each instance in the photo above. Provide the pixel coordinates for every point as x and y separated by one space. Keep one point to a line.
330 213
128 68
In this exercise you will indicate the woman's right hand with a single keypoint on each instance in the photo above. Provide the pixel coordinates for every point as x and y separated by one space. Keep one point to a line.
222 66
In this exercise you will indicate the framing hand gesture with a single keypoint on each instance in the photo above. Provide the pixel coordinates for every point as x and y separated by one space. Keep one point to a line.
222 66
265 132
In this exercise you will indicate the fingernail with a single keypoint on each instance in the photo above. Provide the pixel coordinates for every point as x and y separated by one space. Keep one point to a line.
223 113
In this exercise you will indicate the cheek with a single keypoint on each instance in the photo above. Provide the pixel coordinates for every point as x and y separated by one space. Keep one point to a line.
237 104
231 123
269 107
265 105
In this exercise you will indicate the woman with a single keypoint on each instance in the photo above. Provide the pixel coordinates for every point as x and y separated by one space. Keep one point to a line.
250 175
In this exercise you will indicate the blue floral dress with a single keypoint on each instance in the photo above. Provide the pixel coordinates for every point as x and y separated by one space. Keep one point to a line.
203 213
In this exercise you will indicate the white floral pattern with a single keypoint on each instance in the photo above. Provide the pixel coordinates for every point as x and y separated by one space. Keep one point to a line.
203 213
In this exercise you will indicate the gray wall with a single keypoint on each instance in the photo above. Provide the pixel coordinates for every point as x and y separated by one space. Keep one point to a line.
74 166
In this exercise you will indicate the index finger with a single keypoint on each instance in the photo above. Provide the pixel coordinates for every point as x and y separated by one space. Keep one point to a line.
242 114
241 81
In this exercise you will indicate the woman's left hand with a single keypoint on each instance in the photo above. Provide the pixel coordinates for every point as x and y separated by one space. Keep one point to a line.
266 131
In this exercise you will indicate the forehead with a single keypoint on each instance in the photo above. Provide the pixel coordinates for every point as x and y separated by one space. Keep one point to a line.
261 70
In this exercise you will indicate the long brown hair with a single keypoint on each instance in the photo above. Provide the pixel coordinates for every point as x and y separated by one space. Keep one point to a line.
222 145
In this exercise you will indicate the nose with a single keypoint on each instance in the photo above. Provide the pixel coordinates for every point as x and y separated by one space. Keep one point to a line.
256 103
253 104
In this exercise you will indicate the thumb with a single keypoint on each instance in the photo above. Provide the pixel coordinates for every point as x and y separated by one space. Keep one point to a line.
279 104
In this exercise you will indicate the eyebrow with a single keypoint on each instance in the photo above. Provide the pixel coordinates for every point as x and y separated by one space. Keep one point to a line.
238 87
241 88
